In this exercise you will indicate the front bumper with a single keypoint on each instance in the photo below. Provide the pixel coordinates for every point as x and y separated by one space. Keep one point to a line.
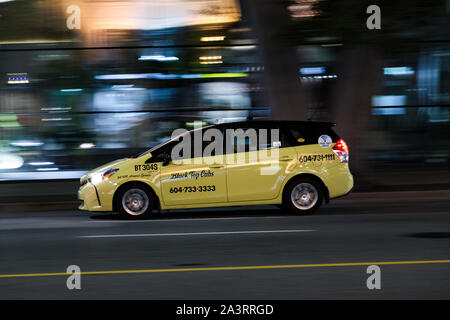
90 200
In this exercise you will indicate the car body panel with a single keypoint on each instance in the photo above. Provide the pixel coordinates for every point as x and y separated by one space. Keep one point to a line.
183 184
259 175
216 181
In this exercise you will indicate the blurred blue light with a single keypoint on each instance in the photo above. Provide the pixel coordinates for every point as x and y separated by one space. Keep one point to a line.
136 76
71 90
43 163
122 76
388 111
398 71
313 70
388 100
26 143
163 76
122 86
191 76
158 58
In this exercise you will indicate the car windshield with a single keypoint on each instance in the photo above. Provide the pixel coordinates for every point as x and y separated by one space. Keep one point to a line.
153 149
150 150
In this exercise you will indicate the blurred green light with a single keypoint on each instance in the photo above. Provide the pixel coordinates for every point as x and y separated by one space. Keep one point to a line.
8 121
224 75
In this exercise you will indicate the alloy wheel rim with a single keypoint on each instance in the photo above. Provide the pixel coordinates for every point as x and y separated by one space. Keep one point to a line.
135 202
304 196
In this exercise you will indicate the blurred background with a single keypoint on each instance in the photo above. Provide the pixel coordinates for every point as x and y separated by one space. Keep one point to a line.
86 82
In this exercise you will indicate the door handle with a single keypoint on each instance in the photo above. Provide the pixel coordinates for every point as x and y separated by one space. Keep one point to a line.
216 166
286 158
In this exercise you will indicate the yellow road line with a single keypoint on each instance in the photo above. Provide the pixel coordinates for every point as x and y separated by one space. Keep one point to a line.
285 266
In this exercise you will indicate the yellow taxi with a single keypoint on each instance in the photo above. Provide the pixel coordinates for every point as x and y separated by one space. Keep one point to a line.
296 164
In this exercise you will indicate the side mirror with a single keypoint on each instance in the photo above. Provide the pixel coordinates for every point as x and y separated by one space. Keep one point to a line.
166 159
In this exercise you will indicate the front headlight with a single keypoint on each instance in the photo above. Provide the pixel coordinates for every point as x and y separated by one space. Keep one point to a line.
108 173
103 176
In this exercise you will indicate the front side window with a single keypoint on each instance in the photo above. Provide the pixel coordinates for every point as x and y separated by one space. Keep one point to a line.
159 151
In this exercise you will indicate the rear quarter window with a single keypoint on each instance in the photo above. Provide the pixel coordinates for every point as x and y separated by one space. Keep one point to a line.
304 136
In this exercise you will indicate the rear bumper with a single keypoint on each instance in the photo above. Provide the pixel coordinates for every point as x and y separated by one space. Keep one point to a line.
344 195
339 181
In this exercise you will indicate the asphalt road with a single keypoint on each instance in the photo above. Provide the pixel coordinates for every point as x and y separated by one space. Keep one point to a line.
294 257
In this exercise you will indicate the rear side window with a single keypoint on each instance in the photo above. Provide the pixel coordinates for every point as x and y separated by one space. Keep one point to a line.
265 137
273 139
303 136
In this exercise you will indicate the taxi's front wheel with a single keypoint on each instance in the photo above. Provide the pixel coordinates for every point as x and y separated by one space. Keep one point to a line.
303 196
135 202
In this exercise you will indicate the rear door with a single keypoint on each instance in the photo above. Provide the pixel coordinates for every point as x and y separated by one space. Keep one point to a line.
258 173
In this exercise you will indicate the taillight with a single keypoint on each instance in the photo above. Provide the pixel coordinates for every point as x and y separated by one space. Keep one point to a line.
341 150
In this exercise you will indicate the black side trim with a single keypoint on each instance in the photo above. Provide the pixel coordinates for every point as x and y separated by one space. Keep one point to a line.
98 198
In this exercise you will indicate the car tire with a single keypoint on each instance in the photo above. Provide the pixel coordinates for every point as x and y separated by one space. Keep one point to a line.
303 196
135 201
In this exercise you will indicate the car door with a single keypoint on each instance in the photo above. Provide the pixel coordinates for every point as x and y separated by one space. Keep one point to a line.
259 174
198 180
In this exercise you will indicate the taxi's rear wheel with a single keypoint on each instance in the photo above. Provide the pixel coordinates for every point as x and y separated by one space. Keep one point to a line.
135 201
303 196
